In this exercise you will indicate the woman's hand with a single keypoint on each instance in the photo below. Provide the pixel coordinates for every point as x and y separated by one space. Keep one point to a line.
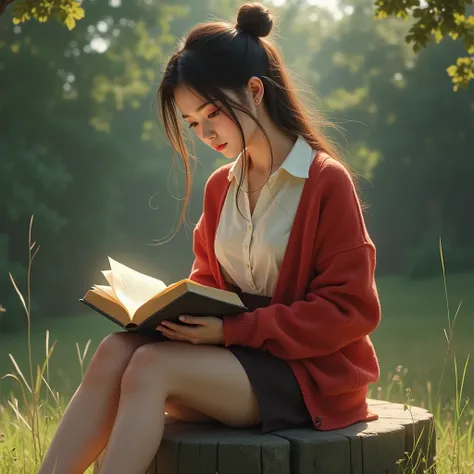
205 330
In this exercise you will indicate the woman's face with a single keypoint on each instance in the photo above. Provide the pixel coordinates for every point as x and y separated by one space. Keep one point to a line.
212 125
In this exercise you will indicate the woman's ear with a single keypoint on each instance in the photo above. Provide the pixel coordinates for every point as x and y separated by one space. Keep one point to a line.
257 89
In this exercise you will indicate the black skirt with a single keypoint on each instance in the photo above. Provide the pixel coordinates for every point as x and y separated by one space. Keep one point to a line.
278 393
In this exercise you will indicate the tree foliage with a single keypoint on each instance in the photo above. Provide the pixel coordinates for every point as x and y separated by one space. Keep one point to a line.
80 150
434 20
79 132
408 135
66 12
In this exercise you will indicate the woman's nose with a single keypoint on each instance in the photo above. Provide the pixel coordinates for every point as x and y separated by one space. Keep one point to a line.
207 132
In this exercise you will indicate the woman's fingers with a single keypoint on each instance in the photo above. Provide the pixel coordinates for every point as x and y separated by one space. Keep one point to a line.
182 329
175 336
208 330
199 320
178 332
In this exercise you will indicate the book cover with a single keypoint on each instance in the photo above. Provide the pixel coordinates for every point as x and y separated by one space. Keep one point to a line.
138 302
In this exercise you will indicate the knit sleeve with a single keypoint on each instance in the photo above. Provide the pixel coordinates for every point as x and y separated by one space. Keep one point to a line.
341 303
340 307
201 269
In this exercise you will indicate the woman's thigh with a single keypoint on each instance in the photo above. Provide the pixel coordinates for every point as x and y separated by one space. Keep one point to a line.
207 379
176 410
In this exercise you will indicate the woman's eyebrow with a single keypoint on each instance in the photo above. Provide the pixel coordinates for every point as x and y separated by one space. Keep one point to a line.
198 109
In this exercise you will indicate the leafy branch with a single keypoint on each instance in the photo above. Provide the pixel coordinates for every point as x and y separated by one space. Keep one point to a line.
436 19
66 12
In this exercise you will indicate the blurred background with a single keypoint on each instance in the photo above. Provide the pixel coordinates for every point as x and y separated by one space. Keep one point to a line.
82 149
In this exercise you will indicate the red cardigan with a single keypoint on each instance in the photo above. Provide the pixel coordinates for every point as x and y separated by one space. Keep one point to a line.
325 302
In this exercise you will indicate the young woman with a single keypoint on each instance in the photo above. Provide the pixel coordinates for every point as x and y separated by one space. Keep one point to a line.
282 226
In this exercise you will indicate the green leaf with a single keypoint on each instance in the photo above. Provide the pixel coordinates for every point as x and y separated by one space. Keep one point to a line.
451 70
70 22
402 14
438 36
78 13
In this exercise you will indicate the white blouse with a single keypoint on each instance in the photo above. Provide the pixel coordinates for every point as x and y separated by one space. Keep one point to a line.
250 250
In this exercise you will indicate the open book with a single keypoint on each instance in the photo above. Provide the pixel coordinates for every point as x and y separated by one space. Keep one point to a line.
138 302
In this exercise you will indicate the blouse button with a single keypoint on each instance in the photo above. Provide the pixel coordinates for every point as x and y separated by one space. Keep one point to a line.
245 247
250 227
247 265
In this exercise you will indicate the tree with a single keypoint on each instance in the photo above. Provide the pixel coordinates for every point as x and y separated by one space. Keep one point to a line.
436 19
79 150
409 135
74 143
65 11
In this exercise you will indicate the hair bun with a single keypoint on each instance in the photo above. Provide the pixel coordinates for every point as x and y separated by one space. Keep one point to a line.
255 19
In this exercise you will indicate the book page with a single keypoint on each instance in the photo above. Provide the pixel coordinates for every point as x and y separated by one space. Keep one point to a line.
108 276
133 288
106 291
110 308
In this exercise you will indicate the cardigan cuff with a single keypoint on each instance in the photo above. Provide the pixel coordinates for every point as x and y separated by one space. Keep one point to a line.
238 330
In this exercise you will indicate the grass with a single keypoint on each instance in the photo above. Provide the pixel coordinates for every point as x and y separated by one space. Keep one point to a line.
411 335
64 370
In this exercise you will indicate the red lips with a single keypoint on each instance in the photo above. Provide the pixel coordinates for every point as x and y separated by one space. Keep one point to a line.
220 147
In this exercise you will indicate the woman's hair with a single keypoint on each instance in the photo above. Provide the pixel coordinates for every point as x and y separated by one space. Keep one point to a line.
219 56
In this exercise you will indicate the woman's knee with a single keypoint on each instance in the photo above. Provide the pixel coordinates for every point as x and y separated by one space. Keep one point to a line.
112 356
149 365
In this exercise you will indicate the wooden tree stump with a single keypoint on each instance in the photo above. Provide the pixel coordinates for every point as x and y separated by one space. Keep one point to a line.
376 447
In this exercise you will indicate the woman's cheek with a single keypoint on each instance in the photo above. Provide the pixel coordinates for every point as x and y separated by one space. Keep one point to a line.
227 122
249 127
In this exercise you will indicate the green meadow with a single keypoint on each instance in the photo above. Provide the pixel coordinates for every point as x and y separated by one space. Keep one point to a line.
410 335
414 341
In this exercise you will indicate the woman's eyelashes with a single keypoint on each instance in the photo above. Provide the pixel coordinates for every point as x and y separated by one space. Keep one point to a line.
211 115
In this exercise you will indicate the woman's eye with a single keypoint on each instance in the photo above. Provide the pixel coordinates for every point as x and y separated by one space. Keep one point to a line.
214 114
211 115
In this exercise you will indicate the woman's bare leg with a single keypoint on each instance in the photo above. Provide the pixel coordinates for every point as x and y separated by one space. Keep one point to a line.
85 428
207 379
89 418
176 410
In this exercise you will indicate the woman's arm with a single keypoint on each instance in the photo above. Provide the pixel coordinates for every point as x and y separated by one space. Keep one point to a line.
340 307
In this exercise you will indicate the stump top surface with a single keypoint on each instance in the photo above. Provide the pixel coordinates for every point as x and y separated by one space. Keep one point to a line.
364 448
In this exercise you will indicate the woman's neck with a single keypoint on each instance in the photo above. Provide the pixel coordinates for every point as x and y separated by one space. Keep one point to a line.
260 159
